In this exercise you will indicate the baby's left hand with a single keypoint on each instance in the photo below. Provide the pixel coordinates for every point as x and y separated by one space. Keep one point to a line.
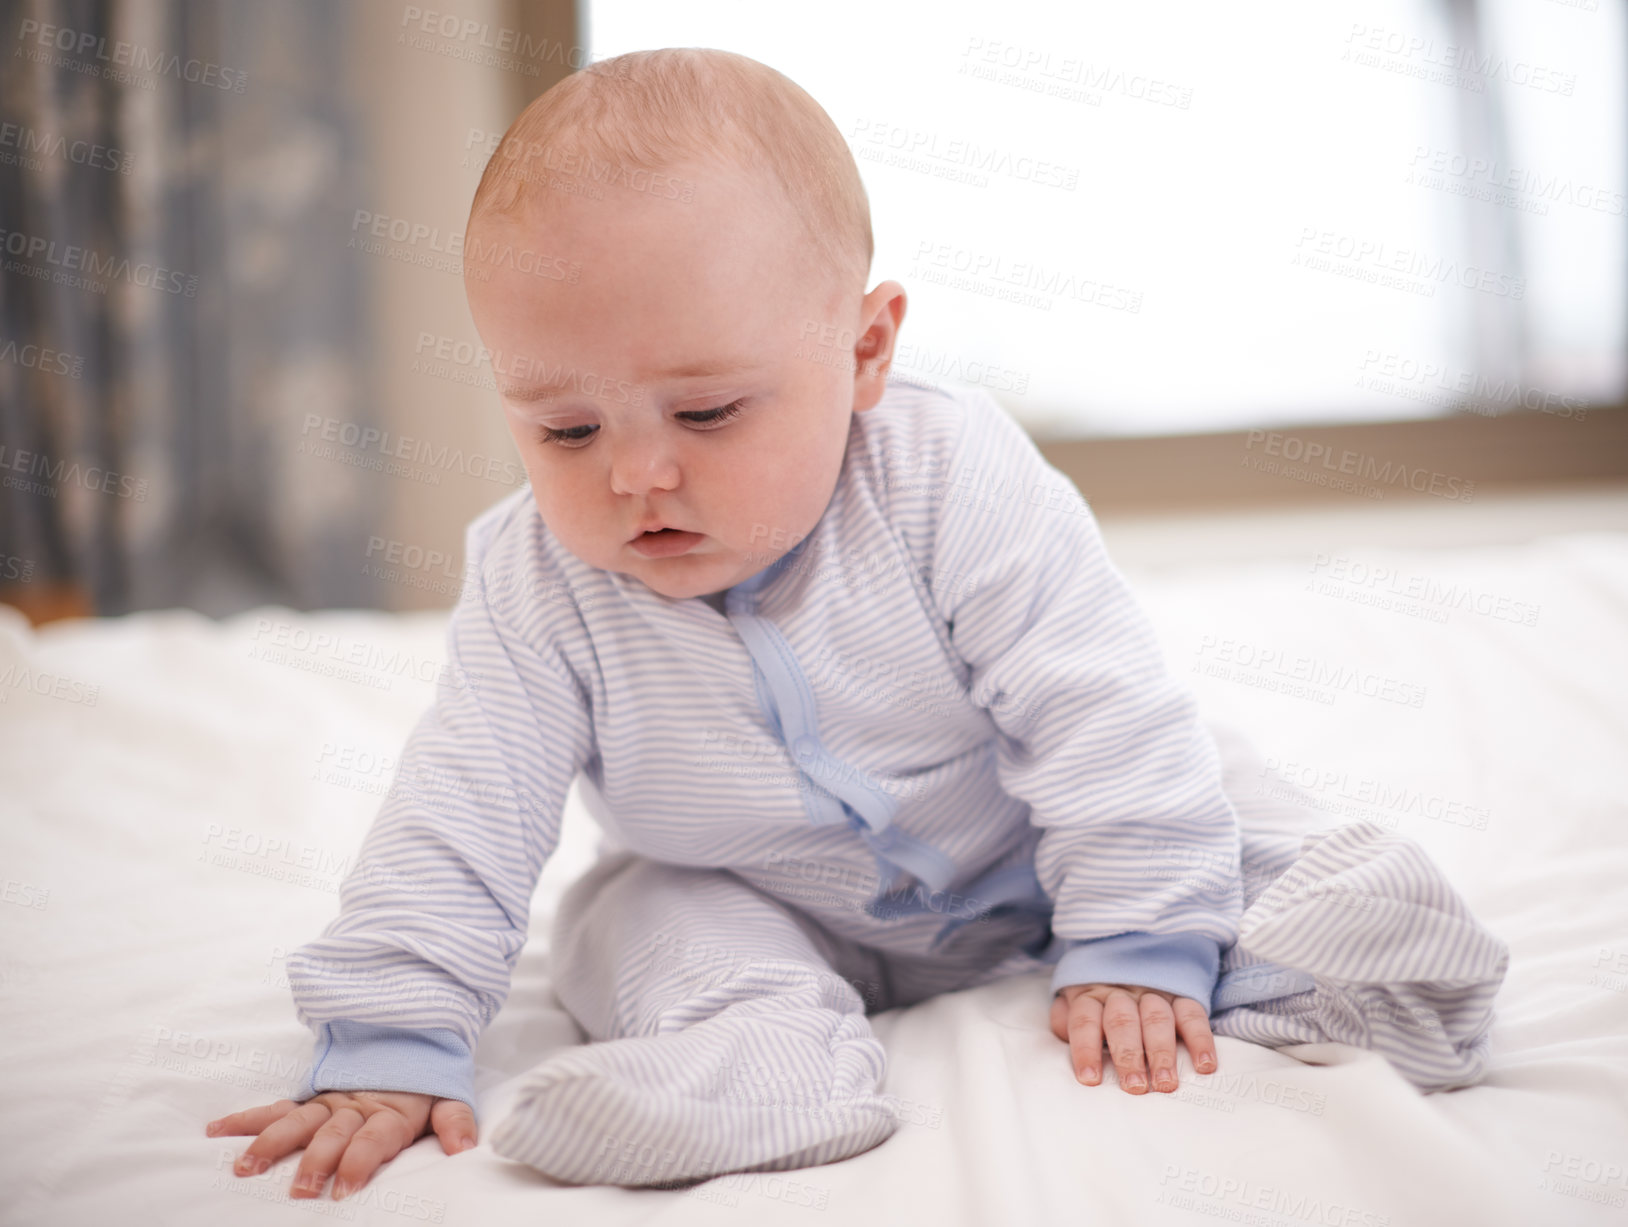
1130 1018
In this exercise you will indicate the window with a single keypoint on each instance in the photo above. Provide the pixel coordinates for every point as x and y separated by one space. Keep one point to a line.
1145 219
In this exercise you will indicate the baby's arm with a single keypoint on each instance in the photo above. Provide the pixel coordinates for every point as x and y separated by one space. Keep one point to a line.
436 910
1139 851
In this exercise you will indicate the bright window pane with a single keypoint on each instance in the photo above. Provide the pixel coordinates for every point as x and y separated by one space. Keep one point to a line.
1188 216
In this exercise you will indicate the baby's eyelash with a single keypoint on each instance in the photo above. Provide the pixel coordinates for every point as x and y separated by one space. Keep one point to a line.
709 417
701 417
548 434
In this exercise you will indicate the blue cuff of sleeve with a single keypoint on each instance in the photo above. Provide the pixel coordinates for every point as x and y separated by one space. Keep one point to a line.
1185 964
357 1056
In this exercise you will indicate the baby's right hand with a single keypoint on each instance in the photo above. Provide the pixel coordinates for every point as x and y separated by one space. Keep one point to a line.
351 1132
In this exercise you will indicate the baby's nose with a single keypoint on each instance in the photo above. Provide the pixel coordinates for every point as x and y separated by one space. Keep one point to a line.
641 465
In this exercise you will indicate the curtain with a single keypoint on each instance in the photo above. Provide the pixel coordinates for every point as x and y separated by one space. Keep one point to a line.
175 183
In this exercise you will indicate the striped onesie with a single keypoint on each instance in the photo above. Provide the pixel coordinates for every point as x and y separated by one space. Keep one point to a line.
931 745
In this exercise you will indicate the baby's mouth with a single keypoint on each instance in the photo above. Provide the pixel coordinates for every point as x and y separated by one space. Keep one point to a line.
664 542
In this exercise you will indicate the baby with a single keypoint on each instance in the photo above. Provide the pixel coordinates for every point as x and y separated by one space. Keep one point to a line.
861 705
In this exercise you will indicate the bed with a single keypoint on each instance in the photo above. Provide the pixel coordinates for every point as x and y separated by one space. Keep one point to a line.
182 797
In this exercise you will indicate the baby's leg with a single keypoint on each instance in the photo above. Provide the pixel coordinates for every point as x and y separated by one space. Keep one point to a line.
722 1039
1351 934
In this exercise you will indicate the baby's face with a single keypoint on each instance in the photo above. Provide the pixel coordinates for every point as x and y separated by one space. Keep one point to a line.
696 396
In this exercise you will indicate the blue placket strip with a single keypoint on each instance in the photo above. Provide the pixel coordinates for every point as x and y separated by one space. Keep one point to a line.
839 792
1015 888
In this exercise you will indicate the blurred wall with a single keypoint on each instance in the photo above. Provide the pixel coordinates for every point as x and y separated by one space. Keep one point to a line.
428 113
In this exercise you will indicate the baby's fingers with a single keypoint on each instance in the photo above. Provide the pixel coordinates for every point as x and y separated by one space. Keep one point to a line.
323 1152
1122 1029
454 1124
277 1139
381 1139
1083 1017
251 1120
1193 1021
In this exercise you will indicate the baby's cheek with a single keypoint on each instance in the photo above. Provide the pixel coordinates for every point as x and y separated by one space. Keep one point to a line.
573 524
739 484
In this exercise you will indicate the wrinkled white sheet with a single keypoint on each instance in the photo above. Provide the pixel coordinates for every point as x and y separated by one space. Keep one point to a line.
181 797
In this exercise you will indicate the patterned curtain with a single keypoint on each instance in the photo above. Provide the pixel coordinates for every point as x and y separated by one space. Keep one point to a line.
171 308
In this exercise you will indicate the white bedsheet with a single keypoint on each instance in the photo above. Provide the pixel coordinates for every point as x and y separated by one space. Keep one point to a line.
181 797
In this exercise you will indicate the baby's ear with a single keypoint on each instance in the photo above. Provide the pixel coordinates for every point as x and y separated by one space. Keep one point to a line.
880 315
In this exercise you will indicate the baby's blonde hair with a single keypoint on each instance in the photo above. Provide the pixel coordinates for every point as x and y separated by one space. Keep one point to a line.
652 110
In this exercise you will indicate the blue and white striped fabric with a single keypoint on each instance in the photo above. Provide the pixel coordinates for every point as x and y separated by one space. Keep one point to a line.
1351 934
939 721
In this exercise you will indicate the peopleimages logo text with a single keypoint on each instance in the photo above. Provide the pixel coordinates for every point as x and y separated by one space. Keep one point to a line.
132 56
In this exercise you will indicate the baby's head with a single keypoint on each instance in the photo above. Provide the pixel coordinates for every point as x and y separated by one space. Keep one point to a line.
666 258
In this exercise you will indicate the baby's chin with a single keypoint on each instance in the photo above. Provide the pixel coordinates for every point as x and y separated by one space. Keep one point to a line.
678 592
680 578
